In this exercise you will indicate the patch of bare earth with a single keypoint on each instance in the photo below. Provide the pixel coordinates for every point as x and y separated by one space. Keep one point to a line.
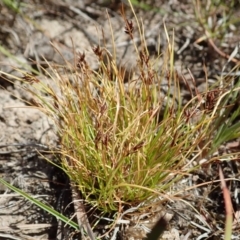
25 132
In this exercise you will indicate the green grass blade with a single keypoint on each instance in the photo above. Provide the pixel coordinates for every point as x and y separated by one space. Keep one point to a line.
41 205
12 4
23 65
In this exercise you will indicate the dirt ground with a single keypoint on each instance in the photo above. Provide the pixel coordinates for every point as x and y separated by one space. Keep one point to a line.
24 132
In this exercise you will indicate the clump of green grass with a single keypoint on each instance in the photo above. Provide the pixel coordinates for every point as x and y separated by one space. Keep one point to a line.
113 145
125 142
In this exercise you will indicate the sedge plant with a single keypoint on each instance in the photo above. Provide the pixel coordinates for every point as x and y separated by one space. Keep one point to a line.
120 143
124 141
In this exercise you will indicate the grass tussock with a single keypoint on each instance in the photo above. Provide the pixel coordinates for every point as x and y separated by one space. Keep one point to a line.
125 141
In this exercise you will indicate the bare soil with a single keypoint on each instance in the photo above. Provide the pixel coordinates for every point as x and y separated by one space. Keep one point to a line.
25 132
